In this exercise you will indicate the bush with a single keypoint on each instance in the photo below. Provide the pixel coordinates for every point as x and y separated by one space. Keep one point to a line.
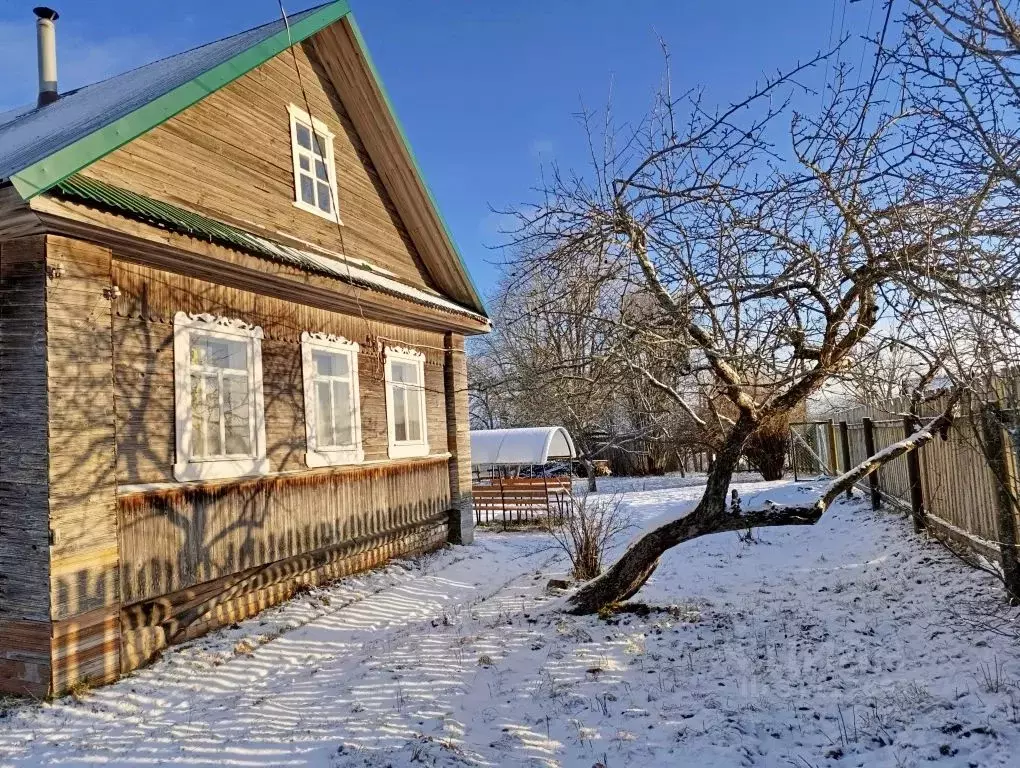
586 531
767 448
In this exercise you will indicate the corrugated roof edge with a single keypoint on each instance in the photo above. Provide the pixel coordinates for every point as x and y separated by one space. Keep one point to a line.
54 168
140 207
414 161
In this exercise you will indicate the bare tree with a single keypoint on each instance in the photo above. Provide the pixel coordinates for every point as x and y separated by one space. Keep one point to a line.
770 264
553 360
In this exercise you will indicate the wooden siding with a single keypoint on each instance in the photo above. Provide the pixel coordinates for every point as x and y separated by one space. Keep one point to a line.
152 246
149 626
83 516
229 157
24 479
143 349
182 537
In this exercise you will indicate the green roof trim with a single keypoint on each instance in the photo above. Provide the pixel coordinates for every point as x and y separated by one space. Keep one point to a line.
53 169
414 161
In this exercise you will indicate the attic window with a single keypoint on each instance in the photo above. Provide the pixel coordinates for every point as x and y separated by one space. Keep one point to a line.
314 169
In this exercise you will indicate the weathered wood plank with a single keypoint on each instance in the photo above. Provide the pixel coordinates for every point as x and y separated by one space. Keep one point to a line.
24 452
229 157
178 538
149 626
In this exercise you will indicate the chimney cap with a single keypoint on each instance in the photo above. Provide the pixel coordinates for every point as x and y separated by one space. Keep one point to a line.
46 13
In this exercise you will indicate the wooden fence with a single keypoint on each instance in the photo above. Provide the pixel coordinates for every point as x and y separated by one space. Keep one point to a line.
517 501
962 487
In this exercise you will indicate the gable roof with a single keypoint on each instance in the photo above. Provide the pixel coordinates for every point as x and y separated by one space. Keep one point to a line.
42 146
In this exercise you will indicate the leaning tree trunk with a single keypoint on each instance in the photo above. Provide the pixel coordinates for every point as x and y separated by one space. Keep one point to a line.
712 515
631 571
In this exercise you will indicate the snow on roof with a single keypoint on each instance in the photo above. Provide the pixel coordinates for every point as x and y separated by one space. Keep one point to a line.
529 445
31 134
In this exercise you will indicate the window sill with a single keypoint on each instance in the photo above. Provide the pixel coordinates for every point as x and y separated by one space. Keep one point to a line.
215 470
318 212
408 450
333 458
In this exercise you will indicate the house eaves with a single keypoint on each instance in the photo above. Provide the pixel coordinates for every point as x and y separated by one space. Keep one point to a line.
123 202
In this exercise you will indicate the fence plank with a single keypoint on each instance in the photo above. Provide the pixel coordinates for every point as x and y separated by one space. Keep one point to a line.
869 450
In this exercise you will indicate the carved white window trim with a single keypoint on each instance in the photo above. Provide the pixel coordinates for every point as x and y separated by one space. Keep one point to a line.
187 466
405 448
299 116
317 456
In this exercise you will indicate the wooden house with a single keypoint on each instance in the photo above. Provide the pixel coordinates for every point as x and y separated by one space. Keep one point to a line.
232 329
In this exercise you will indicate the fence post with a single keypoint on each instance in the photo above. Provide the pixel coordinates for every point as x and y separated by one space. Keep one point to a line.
844 445
914 477
502 501
1005 522
830 431
793 452
869 448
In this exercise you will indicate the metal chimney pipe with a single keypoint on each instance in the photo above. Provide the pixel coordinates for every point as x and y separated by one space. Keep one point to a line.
46 36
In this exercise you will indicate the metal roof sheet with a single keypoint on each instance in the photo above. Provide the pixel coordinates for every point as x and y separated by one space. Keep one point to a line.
176 219
521 446
33 134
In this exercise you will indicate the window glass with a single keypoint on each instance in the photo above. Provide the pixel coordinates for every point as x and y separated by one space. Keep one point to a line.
406 401
399 414
324 413
406 373
307 190
334 399
220 400
343 427
324 202
413 415
236 416
312 150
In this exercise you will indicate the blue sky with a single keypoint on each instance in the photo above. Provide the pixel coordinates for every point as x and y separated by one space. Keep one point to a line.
487 91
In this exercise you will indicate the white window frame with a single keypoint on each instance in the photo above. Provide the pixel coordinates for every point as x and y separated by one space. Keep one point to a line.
317 456
405 448
298 115
187 466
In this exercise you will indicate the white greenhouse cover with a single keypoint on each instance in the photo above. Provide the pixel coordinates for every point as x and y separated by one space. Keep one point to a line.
529 445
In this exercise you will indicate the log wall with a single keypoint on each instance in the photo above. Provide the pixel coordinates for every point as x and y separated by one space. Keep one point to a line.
84 552
24 476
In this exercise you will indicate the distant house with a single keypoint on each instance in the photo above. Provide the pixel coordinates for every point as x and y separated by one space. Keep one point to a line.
232 326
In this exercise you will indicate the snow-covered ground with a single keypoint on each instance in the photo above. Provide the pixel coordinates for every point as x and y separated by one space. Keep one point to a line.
849 643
